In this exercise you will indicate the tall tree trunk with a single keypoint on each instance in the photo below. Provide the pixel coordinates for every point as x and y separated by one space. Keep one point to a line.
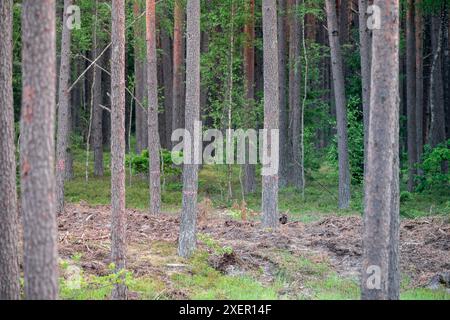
365 49
411 94
418 18
437 125
344 21
9 251
37 152
249 75
62 143
153 133
380 274
177 65
168 82
97 110
140 80
271 111
187 238
285 150
341 105
118 215
295 79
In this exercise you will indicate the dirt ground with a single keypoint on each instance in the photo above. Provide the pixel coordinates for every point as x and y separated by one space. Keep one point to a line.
424 248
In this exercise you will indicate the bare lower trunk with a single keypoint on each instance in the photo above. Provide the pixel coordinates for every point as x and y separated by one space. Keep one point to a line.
187 238
168 82
419 79
118 215
37 153
9 251
271 111
153 133
341 106
62 144
380 274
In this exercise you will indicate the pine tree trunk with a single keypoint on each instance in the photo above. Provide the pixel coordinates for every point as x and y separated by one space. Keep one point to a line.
365 49
419 78
62 143
178 66
380 274
411 94
153 133
437 125
343 21
285 150
37 152
187 238
271 110
295 79
140 80
168 82
341 105
97 110
249 75
118 214
9 242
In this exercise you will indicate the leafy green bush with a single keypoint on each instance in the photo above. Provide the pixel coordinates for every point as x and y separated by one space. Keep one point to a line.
139 163
434 167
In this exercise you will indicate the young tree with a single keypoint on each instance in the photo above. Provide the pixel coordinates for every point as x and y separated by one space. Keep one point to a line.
341 104
9 251
187 238
62 137
37 153
380 273
177 65
118 214
411 94
249 75
271 111
153 133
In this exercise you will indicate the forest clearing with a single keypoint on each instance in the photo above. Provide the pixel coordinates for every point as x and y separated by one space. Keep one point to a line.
225 150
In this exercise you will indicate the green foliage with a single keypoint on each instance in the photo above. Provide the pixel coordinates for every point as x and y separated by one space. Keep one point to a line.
435 168
214 245
140 163
355 142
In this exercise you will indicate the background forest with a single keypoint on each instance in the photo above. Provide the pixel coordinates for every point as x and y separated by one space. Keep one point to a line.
320 194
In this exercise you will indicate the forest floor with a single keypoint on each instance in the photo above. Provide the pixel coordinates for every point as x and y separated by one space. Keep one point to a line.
239 260
316 255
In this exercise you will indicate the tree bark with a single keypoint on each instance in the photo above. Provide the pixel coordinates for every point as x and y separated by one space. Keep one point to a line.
249 76
178 65
437 125
63 135
168 82
381 214
153 132
187 238
118 215
37 152
9 251
365 49
411 94
271 109
285 150
341 105
295 78
418 19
